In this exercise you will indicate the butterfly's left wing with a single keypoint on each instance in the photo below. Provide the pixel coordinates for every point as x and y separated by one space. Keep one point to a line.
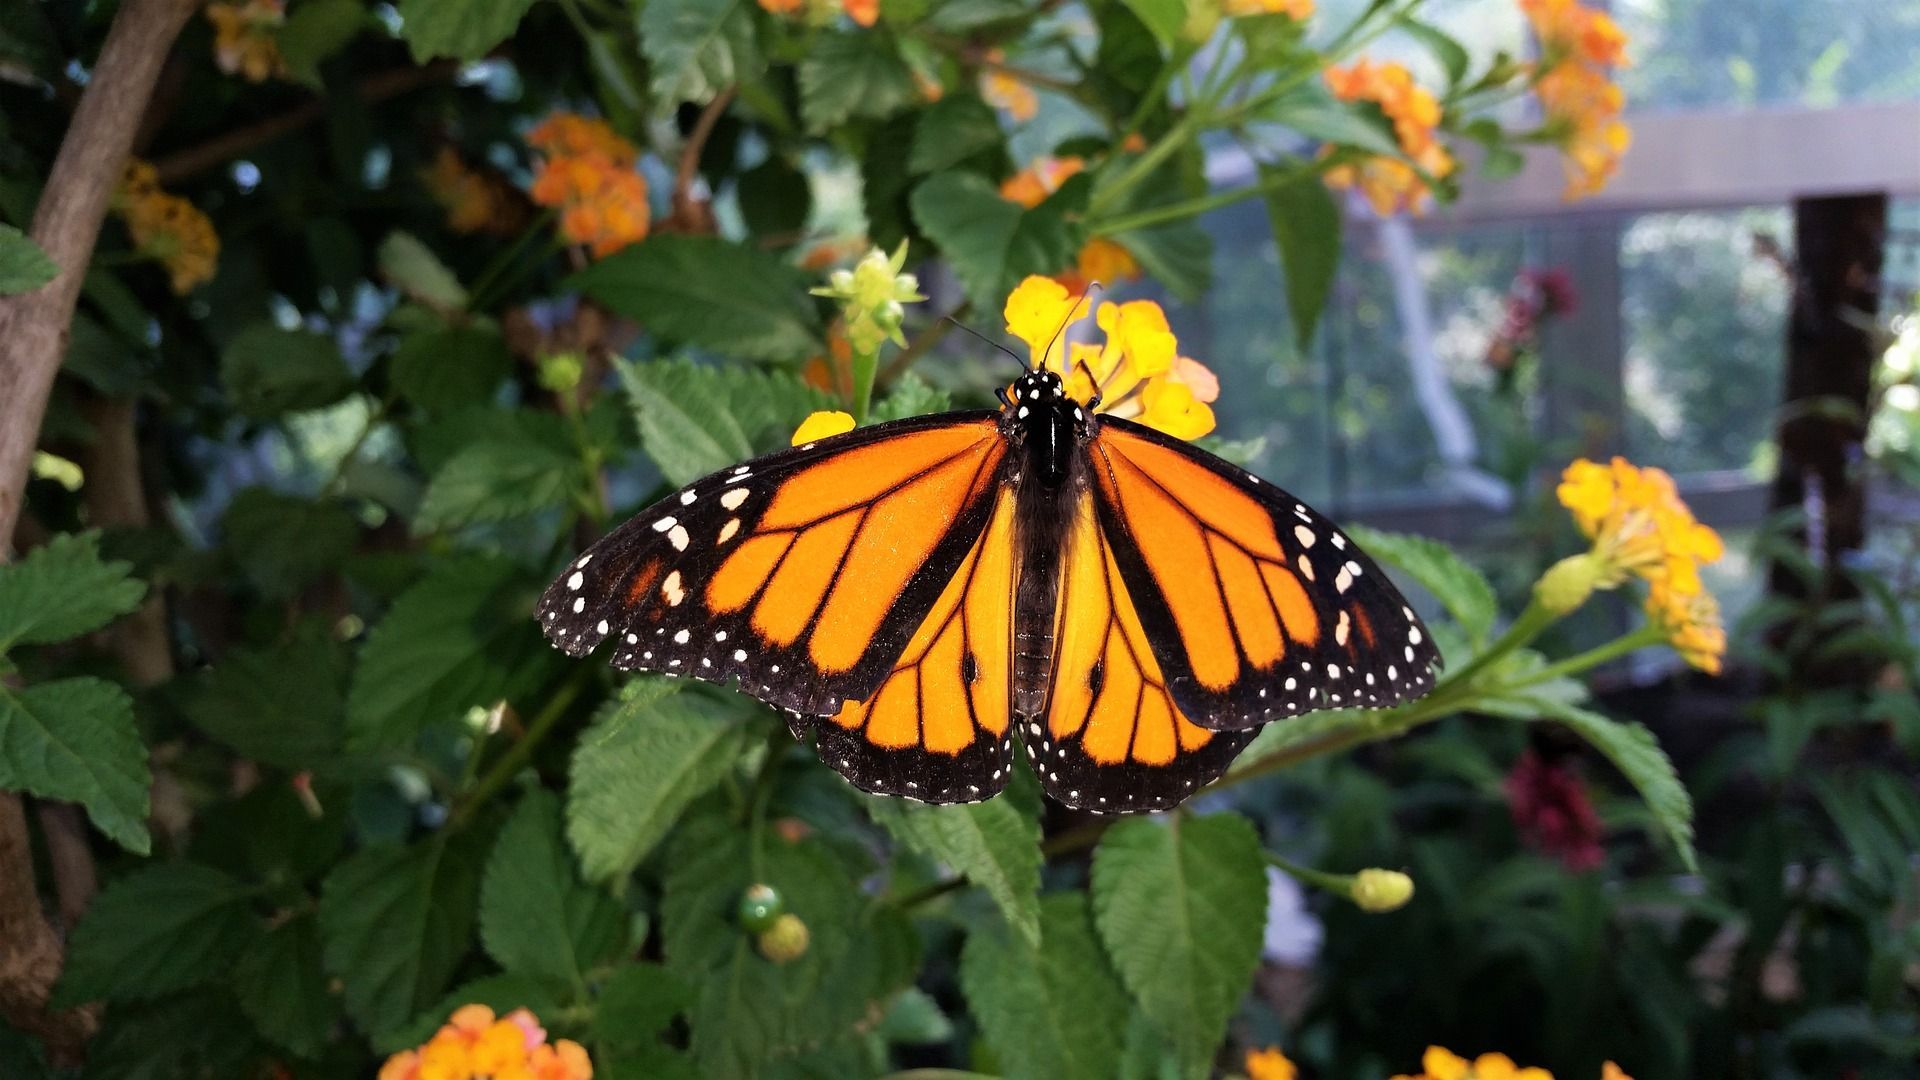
1257 607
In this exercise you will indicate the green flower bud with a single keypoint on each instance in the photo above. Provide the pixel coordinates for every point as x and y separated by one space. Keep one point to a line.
1567 583
760 906
785 941
1380 891
560 372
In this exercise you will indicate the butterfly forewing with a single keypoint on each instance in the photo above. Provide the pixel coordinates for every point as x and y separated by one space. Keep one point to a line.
802 574
1256 607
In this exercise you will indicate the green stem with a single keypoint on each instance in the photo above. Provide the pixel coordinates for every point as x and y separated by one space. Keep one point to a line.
1161 215
865 364
1644 637
517 755
494 278
1340 884
1523 630
1172 140
760 796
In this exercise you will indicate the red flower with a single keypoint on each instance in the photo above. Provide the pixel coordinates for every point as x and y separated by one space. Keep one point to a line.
1552 812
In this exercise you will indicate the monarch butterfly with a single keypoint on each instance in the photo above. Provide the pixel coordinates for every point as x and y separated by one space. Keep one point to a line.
921 594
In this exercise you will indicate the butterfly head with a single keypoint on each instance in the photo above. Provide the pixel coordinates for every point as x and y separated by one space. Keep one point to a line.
1037 411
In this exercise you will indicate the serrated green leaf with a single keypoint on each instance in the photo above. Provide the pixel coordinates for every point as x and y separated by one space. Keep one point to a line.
1180 905
316 30
497 481
283 542
1452 56
993 844
911 396
854 74
161 929
283 705
281 986
1306 229
953 129
450 367
696 48
1051 1013
462 29
537 918
991 242
1178 256
640 765
1462 590
63 589
695 419
74 739
1166 18
23 266
1274 738
269 371
1637 754
915 1019
704 291
414 269
637 1002
396 921
463 636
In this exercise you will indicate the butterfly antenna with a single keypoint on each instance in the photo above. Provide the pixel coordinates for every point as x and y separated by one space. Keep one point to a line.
985 338
1092 287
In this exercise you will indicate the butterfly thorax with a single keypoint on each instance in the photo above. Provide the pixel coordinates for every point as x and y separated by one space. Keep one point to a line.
1046 424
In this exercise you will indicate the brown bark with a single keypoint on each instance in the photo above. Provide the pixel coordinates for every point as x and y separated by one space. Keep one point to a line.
30 951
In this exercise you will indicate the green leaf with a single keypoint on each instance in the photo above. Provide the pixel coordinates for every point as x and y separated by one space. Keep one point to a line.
161 929
1306 228
1637 754
283 542
853 74
282 988
639 765
61 590
695 419
696 48
283 705
1181 905
463 636
993 844
270 371
1051 1013
462 29
537 918
74 739
1461 589
637 1002
704 291
450 367
501 993
1318 116
396 921
1452 56
497 481
911 396
1179 256
23 266
775 198
953 129
316 30
993 243
413 267
1166 18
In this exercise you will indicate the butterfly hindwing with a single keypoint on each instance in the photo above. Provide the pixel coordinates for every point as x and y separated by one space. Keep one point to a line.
1256 607
1113 738
801 574
937 728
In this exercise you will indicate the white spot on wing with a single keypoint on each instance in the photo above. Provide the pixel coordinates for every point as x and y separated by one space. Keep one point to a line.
732 499
678 538
664 524
671 589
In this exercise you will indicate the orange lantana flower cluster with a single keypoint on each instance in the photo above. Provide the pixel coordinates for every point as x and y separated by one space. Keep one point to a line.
1099 259
475 201
167 228
1641 528
1042 177
820 12
246 38
1138 371
1005 91
587 172
476 1045
1270 1064
1297 10
1581 101
1439 1063
1393 184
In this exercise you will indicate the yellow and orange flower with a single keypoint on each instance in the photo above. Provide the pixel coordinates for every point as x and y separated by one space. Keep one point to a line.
1297 10
1138 371
821 12
167 228
475 202
246 38
1042 177
1581 101
1392 185
587 173
1439 1063
1100 260
475 1045
1004 90
1269 1064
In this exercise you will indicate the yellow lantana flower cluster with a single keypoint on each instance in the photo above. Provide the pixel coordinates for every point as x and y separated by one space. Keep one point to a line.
1393 184
587 172
167 228
1582 102
246 38
1439 1063
1641 528
1297 10
1270 1064
476 1045
1138 371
